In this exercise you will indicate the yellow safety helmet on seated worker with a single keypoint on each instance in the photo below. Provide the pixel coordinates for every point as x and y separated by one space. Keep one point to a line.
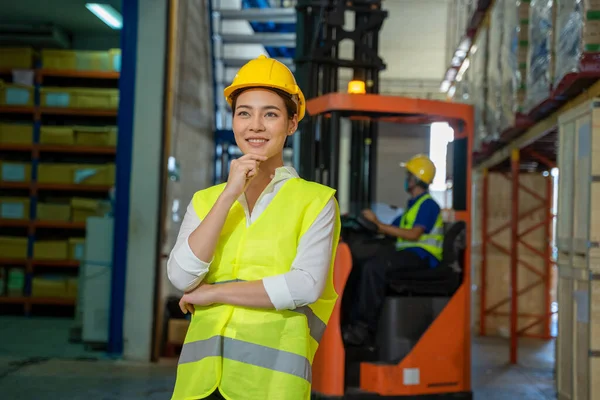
422 167
269 73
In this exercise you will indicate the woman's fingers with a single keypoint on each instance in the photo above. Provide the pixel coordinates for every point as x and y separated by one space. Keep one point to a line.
251 156
183 306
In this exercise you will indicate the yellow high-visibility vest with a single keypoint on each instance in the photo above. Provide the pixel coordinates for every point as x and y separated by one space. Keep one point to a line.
250 353
433 241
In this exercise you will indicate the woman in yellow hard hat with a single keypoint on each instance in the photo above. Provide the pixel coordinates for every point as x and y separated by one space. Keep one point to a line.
419 244
254 256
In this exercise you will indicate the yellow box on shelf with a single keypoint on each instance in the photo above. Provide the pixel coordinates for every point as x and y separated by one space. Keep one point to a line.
115 59
15 171
80 60
95 135
14 208
62 135
49 286
55 173
16 133
51 250
87 98
13 247
16 57
15 95
83 208
94 174
59 59
53 212
77 249
97 98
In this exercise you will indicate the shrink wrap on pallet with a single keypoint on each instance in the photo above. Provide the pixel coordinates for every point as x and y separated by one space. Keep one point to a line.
514 59
479 58
577 35
494 75
540 57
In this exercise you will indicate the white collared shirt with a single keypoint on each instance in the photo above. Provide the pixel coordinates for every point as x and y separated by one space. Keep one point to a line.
305 281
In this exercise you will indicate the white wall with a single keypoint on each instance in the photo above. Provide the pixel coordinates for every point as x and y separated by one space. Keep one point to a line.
145 178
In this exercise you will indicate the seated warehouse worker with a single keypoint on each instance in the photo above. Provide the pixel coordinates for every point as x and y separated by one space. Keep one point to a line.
419 234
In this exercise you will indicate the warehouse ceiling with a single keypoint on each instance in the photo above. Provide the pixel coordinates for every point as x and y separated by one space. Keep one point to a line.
70 15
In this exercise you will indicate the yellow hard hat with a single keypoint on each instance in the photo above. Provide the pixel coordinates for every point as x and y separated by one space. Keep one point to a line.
422 167
267 72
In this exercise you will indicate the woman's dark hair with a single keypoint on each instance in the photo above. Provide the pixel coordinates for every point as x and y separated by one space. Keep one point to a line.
290 105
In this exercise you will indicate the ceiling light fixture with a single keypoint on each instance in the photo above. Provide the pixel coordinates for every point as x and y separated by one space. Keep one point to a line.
107 14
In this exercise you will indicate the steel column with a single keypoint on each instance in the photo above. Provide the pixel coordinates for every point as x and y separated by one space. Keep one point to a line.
514 256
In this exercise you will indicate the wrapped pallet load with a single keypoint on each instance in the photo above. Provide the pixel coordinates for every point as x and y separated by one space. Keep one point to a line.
479 59
514 60
577 38
494 92
540 54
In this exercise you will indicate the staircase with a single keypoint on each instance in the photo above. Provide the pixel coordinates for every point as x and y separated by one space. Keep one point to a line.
273 31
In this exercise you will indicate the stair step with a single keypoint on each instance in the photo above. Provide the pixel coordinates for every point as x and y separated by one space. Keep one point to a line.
280 15
275 39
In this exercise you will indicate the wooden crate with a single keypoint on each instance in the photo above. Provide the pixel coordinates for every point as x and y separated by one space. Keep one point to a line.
579 187
578 342
533 302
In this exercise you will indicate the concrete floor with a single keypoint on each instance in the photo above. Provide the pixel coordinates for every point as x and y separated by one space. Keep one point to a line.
38 363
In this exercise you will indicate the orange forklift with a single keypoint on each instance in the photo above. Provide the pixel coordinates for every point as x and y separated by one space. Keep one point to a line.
423 347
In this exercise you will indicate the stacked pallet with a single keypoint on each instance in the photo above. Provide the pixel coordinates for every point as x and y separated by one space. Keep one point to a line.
577 35
540 56
515 43
578 242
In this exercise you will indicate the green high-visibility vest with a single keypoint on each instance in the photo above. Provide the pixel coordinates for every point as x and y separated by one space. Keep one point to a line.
433 241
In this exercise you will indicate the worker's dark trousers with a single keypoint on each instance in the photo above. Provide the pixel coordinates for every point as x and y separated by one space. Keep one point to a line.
377 273
216 395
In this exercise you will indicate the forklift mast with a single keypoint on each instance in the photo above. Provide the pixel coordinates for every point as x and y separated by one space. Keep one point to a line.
320 29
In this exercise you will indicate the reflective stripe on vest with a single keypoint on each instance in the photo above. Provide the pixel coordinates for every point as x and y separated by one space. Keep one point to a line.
433 242
248 353
254 353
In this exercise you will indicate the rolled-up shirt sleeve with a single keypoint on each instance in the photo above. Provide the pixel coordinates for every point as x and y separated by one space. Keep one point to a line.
306 280
184 269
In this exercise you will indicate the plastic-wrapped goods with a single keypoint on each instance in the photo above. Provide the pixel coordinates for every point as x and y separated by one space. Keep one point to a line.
478 70
514 59
540 54
577 33
494 87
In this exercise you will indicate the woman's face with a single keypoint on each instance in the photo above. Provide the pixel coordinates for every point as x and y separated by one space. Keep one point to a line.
261 123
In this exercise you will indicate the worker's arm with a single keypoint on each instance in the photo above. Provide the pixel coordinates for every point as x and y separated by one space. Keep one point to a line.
412 234
184 269
302 285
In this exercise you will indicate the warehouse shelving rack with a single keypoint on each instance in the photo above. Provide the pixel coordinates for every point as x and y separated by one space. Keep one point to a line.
531 144
35 151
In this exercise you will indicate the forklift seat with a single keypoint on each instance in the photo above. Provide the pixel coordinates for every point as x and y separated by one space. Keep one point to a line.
443 280
415 302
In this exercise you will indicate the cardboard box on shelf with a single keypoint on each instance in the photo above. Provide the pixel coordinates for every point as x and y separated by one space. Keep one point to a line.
51 250
13 247
53 212
16 133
